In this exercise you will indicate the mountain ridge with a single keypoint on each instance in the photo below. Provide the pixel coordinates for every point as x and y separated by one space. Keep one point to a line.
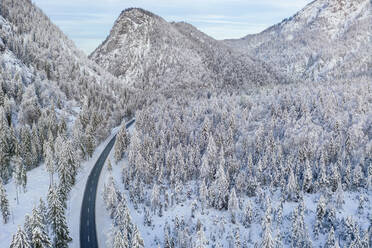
325 40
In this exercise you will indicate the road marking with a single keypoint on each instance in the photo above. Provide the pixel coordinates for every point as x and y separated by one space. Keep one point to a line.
88 223
88 238
88 210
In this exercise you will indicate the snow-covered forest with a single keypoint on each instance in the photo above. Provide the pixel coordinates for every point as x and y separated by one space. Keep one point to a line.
286 166
226 150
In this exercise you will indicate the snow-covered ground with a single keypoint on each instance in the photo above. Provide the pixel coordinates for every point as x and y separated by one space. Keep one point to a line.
36 188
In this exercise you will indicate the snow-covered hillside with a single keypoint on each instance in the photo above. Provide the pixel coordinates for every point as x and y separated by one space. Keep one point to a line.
327 40
147 52
55 107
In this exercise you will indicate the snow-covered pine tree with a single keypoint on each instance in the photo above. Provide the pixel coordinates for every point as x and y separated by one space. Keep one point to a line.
220 188
237 242
331 240
121 143
20 240
49 160
320 213
248 215
267 240
233 205
90 141
292 187
43 211
4 203
17 174
137 241
56 215
120 239
155 197
339 195
308 178
203 195
201 241
300 236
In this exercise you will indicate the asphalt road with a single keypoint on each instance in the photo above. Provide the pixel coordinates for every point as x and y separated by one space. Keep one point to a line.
88 229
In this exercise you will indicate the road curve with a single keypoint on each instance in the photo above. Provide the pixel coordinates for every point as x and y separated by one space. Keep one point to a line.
88 232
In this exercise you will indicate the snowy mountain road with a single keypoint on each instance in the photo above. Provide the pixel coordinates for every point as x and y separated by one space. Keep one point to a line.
88 232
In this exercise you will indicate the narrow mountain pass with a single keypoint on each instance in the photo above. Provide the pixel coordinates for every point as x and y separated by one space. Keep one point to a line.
88 230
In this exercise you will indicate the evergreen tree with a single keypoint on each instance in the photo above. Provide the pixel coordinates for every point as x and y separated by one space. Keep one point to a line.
220 189
4 203
90 141
49 160
20 240
308 178
155 197
320 213
121 143
201 241
203 195
331 240
17 175
40 239
120 240
56 215
267 240
233 205
248 215
292 187
137 241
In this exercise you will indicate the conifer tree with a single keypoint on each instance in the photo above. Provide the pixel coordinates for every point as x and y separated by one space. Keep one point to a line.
220 188
90 141
120 240
308 178
201 241
233 205
292 187
331 240
320 213
155 197
20 240
57 219
4 203
137 241
203 196
121 143
39 237
49 160
17 175
248 215
267 240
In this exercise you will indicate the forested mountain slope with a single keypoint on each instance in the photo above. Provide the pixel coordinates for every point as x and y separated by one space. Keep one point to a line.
327 40
55 107
147 52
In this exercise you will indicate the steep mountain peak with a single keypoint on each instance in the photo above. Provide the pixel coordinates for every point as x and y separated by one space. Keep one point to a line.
136 17
144 50
135 12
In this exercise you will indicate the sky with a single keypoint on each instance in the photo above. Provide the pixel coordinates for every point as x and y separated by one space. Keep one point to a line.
88 22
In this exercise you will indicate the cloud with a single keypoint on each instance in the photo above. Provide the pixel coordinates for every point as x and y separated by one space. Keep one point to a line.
88 22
